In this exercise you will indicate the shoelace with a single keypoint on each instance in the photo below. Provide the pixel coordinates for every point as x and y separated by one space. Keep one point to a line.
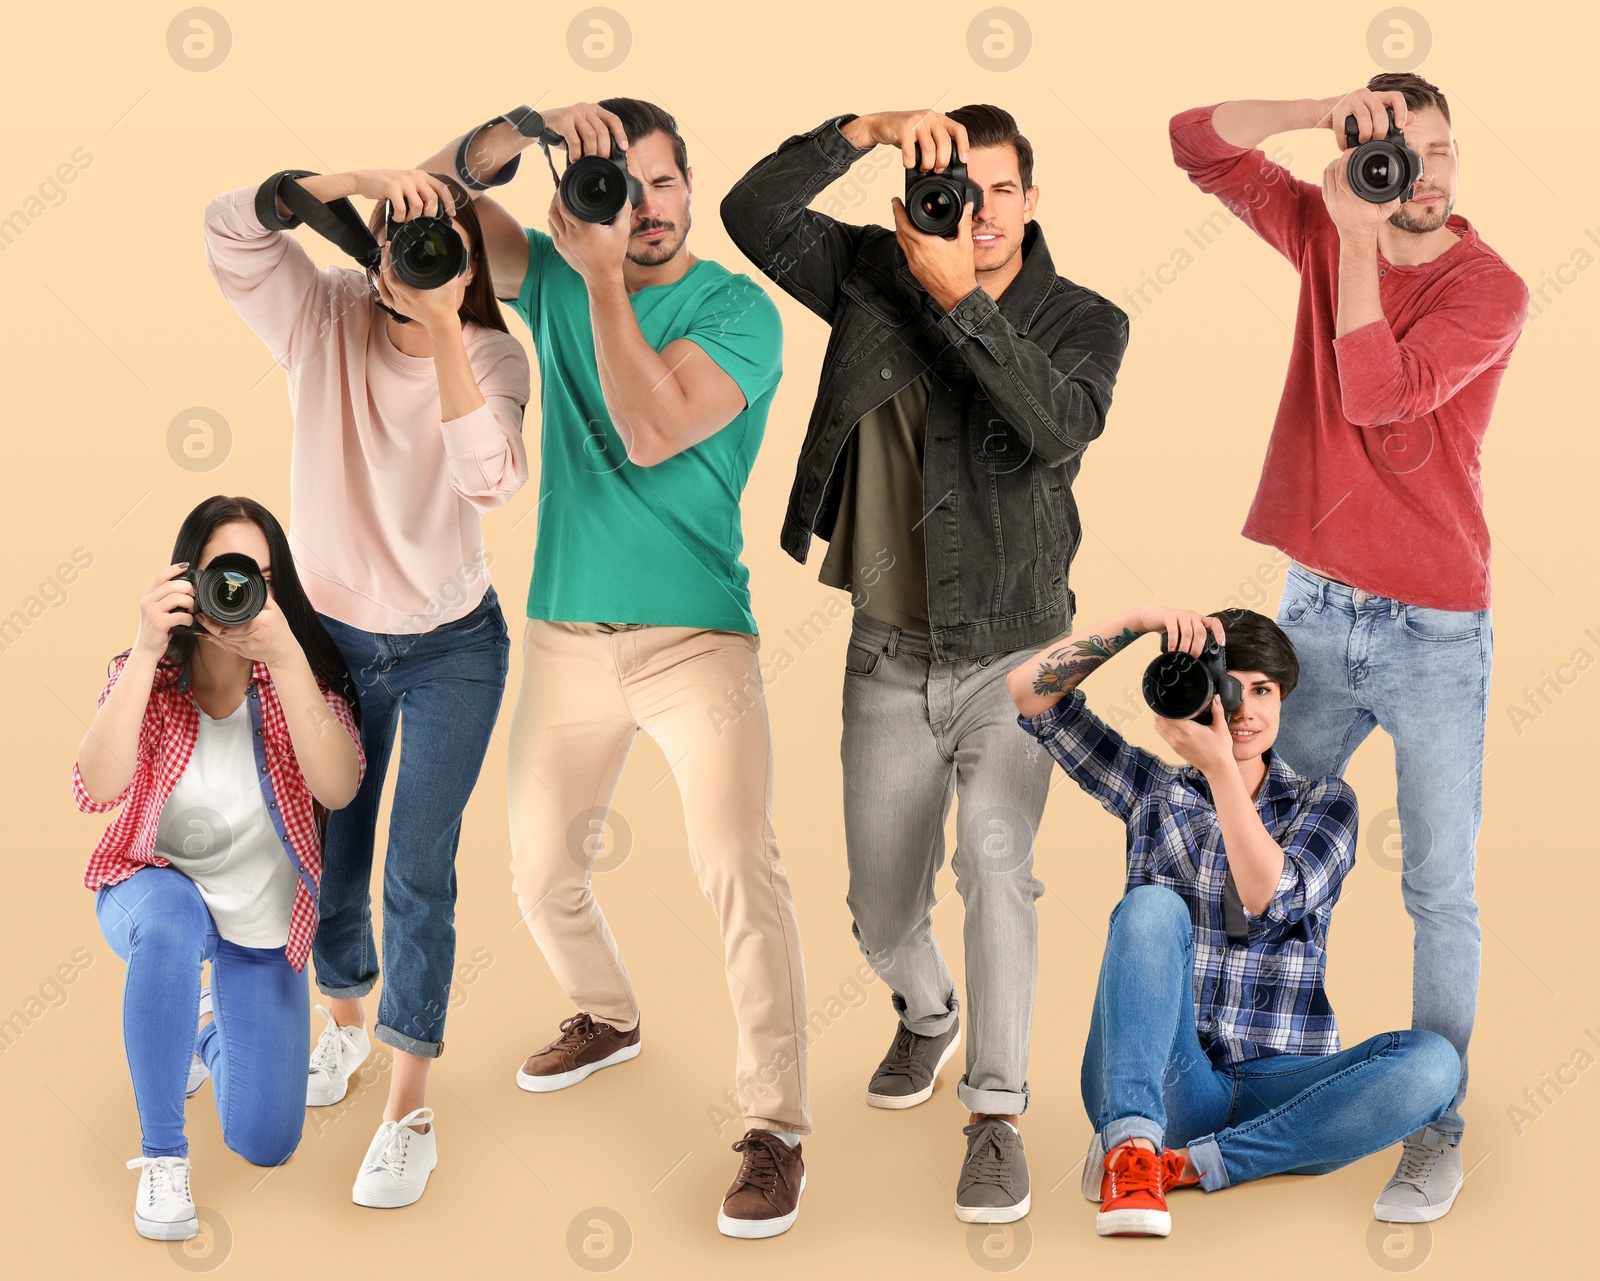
1133 1169
325 1058
389 1156
1416 1164
759 1169
169 1175
575 1031
988 1161
900 1060
1172 1171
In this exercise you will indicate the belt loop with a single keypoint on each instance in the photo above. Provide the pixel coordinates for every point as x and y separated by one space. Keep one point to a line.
1394 608
894 641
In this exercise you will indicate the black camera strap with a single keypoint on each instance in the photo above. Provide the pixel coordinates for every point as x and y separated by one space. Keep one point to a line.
337 221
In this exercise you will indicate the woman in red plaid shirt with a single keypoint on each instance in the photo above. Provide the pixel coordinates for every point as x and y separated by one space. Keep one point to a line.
225 748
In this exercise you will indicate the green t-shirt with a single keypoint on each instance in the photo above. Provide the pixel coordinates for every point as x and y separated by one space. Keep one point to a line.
620 543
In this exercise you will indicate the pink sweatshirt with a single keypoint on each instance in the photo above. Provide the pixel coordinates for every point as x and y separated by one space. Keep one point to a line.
385 498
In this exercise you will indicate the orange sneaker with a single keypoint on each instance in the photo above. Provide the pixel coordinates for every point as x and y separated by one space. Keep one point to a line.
1133 1200
1172 1166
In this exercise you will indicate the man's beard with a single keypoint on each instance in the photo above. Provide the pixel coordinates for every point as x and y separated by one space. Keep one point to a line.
663 250
1419 226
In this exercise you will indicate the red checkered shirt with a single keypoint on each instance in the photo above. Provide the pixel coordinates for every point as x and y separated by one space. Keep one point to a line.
166 742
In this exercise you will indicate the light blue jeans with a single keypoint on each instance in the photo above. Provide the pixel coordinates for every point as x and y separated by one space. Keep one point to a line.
256 1045
1422 676
1146 1076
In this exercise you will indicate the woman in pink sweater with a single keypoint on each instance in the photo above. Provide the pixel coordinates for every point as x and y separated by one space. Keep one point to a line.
405 432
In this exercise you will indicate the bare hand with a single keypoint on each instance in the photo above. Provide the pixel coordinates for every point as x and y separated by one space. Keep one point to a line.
937 136
589 129
596 251
1368 107
168 604
1351 215
410 191
432 308
1209 748
943 267
266 638
1185 630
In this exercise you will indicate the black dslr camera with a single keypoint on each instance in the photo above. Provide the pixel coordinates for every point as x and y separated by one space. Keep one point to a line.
1381 169
426 251
934 199
1180 686
230 590
593 188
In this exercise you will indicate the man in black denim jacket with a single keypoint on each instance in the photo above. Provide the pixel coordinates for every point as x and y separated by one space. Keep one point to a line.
962 382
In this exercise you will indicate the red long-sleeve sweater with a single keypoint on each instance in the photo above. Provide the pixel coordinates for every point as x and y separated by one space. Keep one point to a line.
1372 474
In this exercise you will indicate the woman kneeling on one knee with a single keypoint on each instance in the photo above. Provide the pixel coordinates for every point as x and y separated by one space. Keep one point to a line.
225 746
1213 1055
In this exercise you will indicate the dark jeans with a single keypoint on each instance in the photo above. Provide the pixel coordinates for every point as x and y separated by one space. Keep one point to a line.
1146 1076
445 685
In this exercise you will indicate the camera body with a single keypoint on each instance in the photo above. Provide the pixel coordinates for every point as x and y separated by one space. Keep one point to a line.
596 188
230 590
934 199
1381 169
1180 686
427 251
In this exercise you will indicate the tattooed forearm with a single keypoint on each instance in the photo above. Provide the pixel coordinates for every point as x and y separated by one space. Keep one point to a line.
1063 668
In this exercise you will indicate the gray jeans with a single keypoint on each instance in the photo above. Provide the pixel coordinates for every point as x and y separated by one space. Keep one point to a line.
916 733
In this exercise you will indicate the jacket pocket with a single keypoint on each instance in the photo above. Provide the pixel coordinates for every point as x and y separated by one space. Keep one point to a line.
873 316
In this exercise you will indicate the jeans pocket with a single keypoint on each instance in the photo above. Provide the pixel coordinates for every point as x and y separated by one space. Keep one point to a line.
861 660
1440 624
1293 610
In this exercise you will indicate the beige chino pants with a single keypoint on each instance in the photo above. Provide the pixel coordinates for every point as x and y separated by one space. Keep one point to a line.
587 689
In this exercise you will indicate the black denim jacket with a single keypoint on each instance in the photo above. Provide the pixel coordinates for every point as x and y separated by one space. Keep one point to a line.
1020 388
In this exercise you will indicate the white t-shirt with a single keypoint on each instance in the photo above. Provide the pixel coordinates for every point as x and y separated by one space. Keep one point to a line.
215 829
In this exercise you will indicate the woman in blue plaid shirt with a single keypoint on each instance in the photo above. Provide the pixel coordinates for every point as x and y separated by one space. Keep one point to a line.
1213 1054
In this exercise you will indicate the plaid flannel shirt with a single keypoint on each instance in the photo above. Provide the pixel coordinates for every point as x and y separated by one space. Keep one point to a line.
1264 995
167 737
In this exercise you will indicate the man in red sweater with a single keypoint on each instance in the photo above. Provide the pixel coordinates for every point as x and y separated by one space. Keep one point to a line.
1405 326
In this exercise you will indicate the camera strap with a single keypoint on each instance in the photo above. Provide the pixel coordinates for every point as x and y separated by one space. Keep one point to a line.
337 221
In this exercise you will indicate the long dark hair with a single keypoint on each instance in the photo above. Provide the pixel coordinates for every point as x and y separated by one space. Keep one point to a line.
478 302
327 663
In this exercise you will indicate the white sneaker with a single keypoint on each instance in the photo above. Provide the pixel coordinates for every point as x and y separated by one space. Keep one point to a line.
397 1165
198 1071
339 1052
1425 1183
163 1209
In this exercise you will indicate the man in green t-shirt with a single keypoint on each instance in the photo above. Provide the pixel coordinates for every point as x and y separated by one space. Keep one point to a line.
656 369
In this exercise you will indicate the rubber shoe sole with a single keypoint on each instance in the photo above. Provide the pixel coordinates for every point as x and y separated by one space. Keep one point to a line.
1094 1168
756 1229
156 1230
993 1213
561 1080
1133 1223
895 1101
1414 1213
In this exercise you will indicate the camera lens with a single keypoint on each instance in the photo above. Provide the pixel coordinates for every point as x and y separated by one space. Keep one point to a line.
1375 172
230 590
426 252
934 203
594 189
1176 686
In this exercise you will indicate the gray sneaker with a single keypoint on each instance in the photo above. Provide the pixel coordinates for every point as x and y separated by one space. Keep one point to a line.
993 1187
1425 1184
906 1075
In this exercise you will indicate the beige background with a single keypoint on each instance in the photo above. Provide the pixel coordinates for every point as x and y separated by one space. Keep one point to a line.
112 328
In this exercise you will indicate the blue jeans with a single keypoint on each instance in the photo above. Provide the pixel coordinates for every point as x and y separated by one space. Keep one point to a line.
256 1044
1146 1076
1422 676
446 685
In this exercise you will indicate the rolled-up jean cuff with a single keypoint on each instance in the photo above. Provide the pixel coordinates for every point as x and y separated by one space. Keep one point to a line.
1207 1158
936 1025
992 1102
347 993
409 1044
1132 1127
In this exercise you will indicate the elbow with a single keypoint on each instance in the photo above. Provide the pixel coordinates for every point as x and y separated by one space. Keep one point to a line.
651 444
1362 409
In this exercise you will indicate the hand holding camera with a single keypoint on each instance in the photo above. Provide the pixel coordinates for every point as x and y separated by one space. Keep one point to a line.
1190 676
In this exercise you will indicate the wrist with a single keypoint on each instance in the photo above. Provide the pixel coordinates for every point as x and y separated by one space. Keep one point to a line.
859 132
293 660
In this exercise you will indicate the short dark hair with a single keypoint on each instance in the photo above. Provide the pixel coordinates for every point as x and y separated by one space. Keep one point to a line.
1257 644
995 127
1419 94
640 119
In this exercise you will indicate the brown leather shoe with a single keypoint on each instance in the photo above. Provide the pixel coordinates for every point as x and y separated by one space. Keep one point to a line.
584 1046
765 1195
